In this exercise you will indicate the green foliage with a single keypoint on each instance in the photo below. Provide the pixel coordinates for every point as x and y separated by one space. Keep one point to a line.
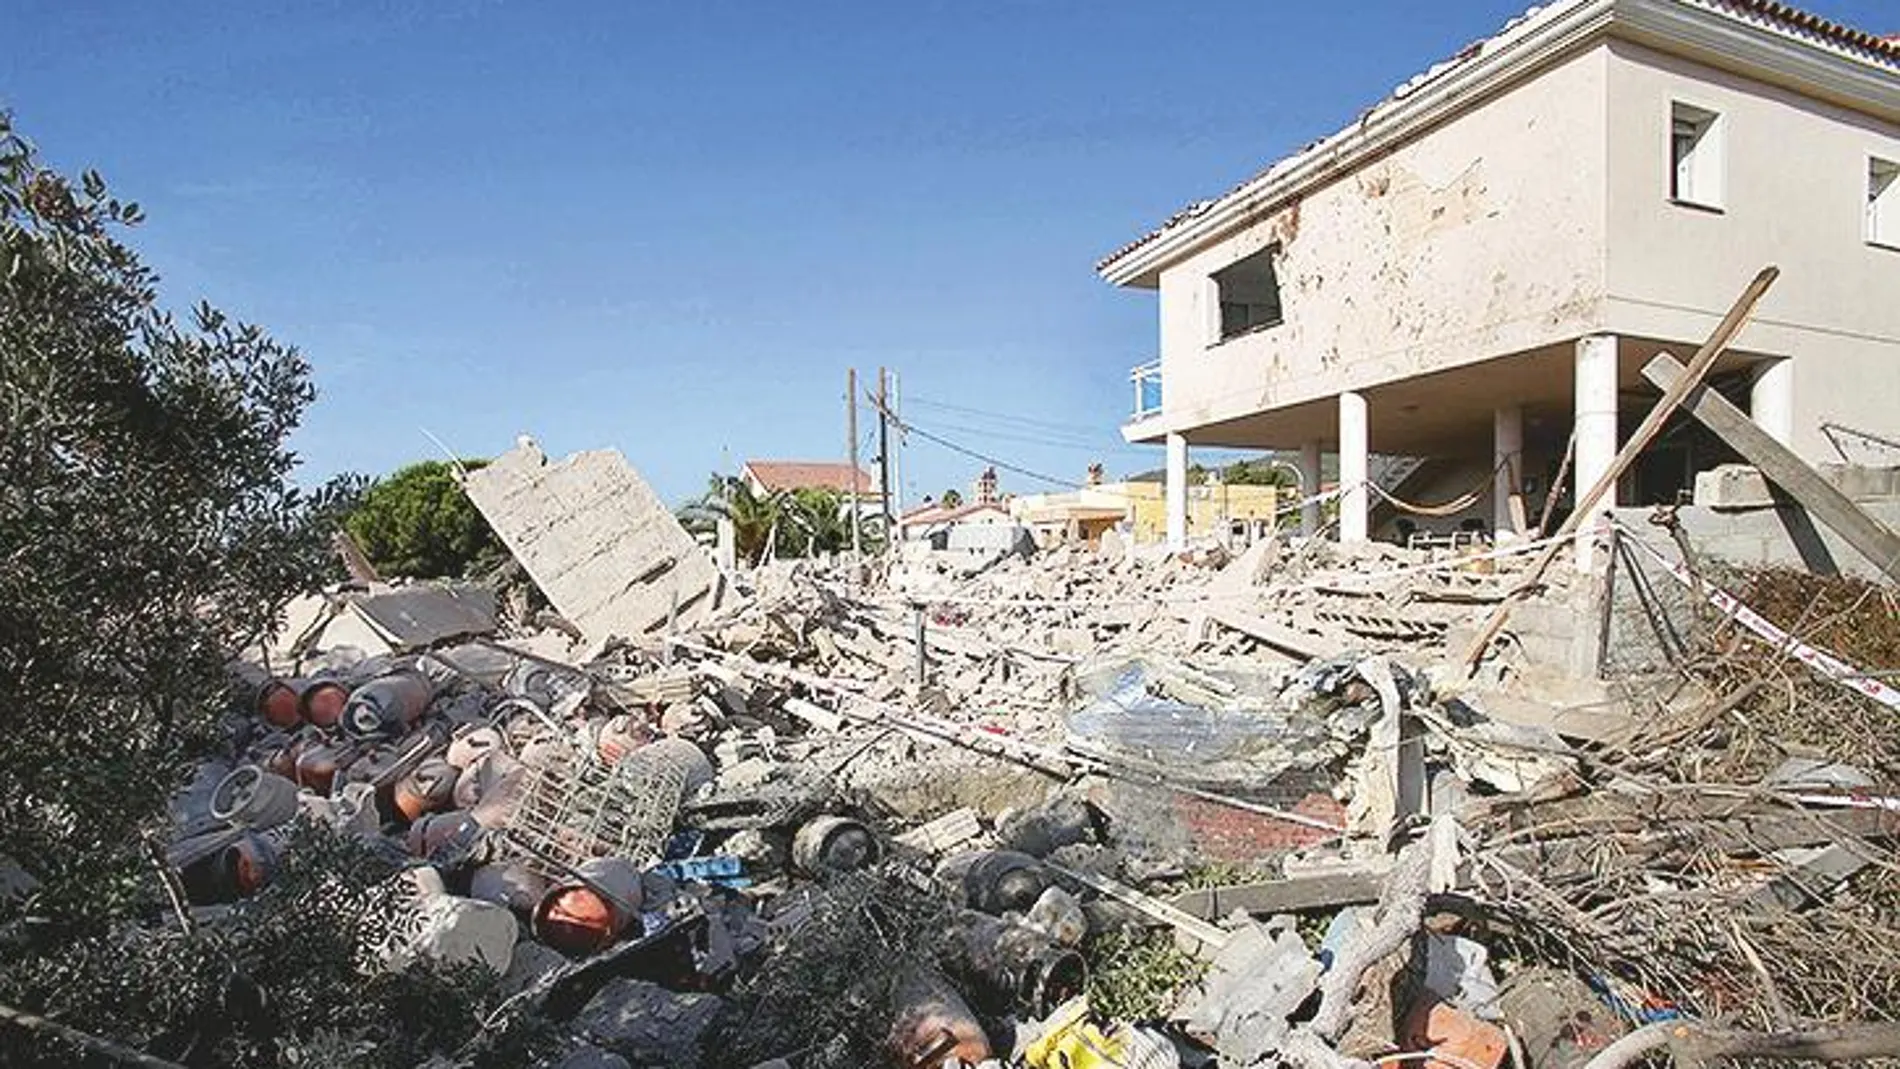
951 499
1138 975
1261 471
287 978
148 529
819 521
796 523
419 523
148 526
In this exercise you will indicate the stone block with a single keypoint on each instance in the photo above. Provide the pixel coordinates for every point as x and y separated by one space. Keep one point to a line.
1732 486
597 540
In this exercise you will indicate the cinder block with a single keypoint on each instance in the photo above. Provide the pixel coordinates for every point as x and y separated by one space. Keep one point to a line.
1732 486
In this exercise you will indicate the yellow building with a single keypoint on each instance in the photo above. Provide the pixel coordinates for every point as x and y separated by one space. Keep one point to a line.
1238 514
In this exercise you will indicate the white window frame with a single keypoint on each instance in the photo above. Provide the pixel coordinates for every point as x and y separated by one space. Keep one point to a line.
1881 228
1698 176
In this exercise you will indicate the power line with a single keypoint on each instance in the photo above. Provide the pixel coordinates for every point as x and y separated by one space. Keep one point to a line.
1009 417
972 453
1057 443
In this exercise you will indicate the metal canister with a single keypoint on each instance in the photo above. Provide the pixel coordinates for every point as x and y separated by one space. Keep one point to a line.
252 797
428 788
436 831
225 867
322 702
694 768
587 912
508 883
388 705
278 702
831 844
473 745
1003 881
318 765
930 1024
278 753
1011 968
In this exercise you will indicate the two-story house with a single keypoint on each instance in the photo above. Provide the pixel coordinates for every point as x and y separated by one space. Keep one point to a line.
1476 269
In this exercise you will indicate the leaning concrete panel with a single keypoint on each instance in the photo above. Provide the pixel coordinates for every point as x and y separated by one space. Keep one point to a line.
597 540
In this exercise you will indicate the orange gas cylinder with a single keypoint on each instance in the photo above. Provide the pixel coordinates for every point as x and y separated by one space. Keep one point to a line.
323 701
277 703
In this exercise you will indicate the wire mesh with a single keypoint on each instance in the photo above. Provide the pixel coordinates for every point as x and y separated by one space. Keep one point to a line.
578 807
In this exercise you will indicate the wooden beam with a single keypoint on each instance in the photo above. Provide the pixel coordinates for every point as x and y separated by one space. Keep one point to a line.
1652 425
1875 540
1305 647
1291 895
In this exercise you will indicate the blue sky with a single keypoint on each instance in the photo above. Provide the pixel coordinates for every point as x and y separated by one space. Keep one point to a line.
671 228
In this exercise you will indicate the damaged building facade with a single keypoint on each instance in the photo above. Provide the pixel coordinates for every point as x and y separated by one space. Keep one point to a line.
1475 271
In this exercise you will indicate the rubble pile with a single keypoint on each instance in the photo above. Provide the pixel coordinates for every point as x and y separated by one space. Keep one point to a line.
912 814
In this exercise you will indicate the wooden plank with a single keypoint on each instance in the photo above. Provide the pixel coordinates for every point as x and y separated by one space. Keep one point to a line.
1753 834
1875 540
1652 425
1163 912
1291 895
1284 639
1812 879
943 834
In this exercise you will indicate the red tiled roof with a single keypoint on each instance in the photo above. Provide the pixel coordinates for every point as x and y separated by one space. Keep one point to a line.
1885 48
939 514
1816 24
776 475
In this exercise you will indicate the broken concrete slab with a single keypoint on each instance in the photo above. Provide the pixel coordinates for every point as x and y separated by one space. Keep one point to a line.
647 1024
420 616
598 541
1254 984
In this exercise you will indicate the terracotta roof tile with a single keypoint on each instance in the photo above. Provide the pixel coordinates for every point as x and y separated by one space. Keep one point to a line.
776 475
939 514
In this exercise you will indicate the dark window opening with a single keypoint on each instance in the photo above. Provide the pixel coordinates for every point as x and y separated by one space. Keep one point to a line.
1249 294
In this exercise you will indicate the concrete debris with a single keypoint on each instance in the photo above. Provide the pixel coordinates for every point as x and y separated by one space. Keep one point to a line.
1252 989
919 813
597 541
646 1024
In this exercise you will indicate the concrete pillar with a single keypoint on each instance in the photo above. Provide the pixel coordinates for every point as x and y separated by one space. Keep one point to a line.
1354 466
1177 491
1309 487
1507 456
726 549
1596 433
1771 400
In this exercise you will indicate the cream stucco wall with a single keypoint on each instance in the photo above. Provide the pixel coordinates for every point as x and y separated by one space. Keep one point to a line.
1486 236
1796 182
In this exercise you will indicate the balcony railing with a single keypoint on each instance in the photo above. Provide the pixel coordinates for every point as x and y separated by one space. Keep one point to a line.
1147 380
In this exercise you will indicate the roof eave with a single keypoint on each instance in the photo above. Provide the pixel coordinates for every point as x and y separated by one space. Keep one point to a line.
1379 129
1832 72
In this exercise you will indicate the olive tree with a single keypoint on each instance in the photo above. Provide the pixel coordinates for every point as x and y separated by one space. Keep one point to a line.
149 528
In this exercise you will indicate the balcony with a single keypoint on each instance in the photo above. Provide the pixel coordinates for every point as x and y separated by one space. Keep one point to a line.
1147 380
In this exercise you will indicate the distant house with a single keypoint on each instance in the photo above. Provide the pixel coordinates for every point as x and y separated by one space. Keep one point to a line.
776 476
1137 507
928 519
934 522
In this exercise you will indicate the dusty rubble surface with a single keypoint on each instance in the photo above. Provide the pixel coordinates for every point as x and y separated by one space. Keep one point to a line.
1115 808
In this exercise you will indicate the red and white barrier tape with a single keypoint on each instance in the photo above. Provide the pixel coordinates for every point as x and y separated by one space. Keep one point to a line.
1823 663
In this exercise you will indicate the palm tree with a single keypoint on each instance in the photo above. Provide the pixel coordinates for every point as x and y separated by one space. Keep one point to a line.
820 522
755 518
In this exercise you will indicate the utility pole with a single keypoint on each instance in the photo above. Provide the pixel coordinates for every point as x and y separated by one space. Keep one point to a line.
884 453
896 402
851 440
